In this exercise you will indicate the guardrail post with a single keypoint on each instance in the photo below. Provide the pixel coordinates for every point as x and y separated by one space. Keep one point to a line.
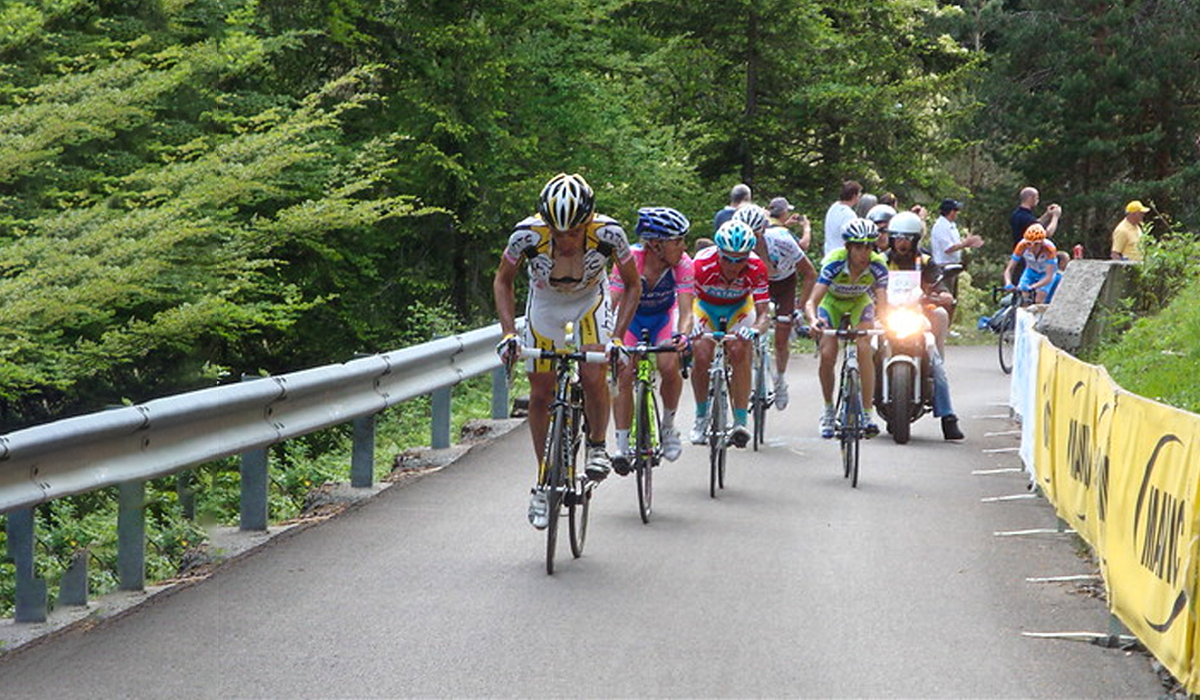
499 393
73 588
131 536
362 455
186 494
254 491
31 591
440 426
254 474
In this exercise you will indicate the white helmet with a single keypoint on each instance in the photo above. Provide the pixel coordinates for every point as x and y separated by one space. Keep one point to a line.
881 212
753 216
906 224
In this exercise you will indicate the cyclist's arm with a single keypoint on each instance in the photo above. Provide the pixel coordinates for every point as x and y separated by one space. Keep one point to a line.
1008 270
762 311
627 303
808 279
687 321
814 300
505 296
881 303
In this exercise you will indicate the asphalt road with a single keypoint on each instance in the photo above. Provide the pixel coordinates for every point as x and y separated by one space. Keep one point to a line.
790 583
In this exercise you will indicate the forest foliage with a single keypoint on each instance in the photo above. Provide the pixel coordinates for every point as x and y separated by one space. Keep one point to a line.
192 190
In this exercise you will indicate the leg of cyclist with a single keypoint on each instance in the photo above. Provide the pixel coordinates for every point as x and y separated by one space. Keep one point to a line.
595 329
866 368
739 355
623 417
783 294
702 353
670 388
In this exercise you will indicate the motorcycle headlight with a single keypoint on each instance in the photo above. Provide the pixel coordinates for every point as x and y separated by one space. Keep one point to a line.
905 322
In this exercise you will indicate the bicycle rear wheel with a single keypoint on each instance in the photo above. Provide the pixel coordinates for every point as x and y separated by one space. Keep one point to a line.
716 438
646 450
758 398
852 427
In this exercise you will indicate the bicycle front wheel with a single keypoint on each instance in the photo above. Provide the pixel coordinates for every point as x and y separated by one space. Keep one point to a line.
646 455
557 451
851 427
1004 340
716 438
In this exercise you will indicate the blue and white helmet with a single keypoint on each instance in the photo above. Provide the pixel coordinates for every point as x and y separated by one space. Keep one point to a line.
735 237
860 231
661 222
566 202
753 216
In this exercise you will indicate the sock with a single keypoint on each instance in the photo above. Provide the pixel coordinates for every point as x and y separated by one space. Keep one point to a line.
668 420
740 415
623 440
701 409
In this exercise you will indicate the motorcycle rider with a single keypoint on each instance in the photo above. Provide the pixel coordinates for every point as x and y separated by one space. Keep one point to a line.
905 230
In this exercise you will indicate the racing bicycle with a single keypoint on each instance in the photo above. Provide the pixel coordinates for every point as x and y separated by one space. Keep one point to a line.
761 395
646 430
566 486
849 428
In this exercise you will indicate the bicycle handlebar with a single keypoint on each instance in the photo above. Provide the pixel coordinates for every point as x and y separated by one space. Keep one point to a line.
540 354
845 333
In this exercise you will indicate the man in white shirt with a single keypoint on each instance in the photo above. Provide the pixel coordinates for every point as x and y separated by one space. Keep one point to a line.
946 243
841 212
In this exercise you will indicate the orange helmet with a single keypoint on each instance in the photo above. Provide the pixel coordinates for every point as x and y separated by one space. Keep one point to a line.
1035 233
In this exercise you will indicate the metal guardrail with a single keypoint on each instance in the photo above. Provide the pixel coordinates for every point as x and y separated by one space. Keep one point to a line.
127 446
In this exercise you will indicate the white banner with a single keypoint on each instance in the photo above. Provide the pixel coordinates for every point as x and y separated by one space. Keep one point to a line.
1023 389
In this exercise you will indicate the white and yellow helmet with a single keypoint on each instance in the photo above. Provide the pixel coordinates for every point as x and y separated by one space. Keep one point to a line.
566 202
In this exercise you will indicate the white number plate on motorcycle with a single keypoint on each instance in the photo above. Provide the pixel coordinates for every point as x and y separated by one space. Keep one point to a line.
904 286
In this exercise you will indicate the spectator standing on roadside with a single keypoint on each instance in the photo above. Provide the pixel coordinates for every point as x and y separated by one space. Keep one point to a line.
1023 216
1127 236
946 243
865 202
739 195
783 214
839 214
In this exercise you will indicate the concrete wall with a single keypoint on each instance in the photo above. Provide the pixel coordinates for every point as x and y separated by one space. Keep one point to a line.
1076 317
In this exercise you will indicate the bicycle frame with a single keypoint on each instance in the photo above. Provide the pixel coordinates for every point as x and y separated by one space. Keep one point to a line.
646 429
761 396
719 411
557 472
849 408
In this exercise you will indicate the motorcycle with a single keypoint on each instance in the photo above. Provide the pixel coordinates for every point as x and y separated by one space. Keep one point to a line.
904 374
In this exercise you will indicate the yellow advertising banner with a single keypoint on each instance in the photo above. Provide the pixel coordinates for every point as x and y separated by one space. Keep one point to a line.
1043 417
1078 432
1150 528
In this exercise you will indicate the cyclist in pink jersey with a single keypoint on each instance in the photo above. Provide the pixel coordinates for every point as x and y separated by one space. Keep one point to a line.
665 310
731 284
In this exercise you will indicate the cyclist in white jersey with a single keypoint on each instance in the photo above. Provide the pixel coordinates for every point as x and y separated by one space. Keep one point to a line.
786 263
566 247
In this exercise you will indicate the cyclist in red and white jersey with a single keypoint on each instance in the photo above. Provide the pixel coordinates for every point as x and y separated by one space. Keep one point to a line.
731 283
